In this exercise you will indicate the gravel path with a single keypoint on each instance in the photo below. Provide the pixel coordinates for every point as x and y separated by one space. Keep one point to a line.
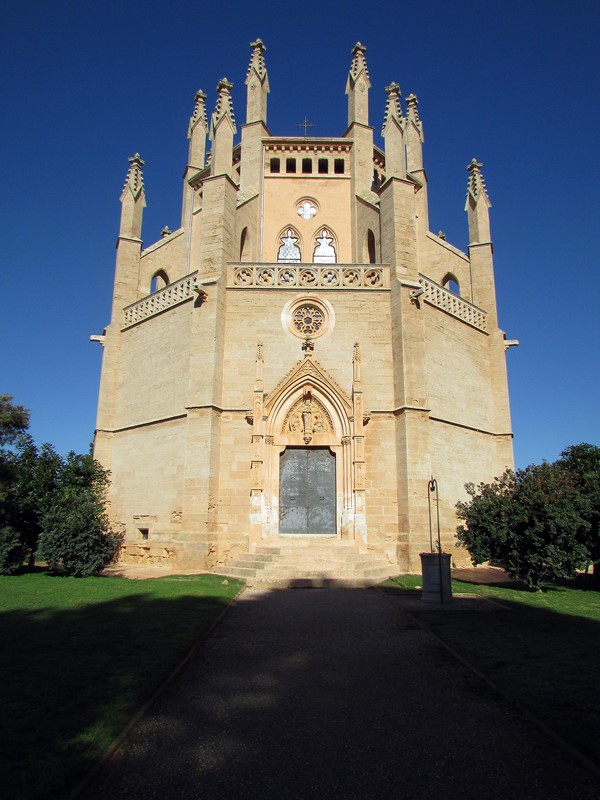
333 693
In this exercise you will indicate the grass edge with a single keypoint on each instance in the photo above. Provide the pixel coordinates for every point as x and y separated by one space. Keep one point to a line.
115 745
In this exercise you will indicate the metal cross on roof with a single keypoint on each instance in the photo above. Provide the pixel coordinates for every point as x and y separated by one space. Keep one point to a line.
306 124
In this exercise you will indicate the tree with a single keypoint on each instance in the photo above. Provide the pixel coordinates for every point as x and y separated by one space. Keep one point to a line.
582 462
531 522
13 422
37 474
50 500
76 538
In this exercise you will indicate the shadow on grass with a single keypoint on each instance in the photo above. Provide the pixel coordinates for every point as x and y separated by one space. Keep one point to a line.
333 693
544 655
71 678
305 694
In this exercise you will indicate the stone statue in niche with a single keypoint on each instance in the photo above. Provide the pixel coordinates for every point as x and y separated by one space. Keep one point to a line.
319 423
295 425
308 418
324 251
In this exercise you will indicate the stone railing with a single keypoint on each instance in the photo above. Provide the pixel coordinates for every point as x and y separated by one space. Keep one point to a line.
172 295
436 295
313 276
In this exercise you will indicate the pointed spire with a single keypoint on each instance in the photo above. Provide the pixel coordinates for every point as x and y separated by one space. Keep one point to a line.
199 114
197 130
133 200
257 62
357 87
393 111
257 81
393 134
414 135
134 182
222 129
477 205
412 105
476 186
359 64
224 107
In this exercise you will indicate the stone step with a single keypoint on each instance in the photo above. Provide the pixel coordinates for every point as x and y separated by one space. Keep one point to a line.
311 561
322 559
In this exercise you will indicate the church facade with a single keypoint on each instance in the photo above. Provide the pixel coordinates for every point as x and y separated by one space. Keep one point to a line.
302 355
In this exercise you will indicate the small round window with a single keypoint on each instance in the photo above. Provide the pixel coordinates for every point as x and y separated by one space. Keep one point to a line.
308 317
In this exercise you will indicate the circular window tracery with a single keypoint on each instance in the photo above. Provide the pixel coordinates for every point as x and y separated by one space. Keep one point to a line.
308 317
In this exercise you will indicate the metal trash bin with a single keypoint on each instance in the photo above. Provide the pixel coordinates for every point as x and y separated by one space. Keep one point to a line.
435 570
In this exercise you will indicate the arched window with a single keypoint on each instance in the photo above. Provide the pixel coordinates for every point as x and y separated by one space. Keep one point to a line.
244 245
288 252
450 282
159 280
324 251
371 247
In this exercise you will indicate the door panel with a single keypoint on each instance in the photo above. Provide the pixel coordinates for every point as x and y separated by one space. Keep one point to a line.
307 491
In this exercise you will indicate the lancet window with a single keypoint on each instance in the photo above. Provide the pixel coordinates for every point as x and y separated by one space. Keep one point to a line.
289 252
450 282
159 280
324 252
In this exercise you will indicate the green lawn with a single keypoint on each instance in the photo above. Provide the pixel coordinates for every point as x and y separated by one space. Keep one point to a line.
78 659
543 651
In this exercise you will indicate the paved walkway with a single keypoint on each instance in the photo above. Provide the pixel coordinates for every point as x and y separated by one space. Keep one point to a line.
333 693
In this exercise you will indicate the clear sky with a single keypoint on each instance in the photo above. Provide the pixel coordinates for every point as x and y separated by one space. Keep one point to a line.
85 84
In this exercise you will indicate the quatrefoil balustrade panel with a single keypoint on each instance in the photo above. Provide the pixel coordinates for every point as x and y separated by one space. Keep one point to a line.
304 276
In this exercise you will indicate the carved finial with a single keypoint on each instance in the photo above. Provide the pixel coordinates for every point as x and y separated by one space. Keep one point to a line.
199 114
259 351
257 61
393 111
134 180
166 231
356 364
308 346
442 235
412 105
224 107
476 188
359 63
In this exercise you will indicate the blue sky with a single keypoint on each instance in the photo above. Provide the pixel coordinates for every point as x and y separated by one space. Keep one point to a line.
87 84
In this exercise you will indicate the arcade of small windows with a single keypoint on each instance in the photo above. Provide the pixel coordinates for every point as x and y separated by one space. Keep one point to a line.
307 166
324 251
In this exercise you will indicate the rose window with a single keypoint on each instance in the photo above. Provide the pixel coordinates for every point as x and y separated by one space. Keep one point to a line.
308 320
308 317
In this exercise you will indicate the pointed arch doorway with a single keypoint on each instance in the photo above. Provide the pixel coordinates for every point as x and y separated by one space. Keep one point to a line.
307 456
307 491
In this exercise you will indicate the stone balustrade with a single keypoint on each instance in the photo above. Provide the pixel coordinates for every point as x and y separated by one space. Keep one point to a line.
451 303
309 276
172 295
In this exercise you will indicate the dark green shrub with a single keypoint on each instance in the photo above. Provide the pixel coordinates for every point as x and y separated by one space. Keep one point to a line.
531 522
75 540
76 537
12 551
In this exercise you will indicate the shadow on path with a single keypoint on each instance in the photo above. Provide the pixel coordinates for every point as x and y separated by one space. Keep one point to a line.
332 693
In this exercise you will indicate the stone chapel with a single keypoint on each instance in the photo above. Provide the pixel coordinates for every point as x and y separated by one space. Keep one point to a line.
284 373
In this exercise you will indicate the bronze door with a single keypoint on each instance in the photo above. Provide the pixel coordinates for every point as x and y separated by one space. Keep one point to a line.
307 491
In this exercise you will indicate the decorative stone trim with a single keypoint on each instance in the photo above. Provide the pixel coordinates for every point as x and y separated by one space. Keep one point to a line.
172 295
452 304
309 276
